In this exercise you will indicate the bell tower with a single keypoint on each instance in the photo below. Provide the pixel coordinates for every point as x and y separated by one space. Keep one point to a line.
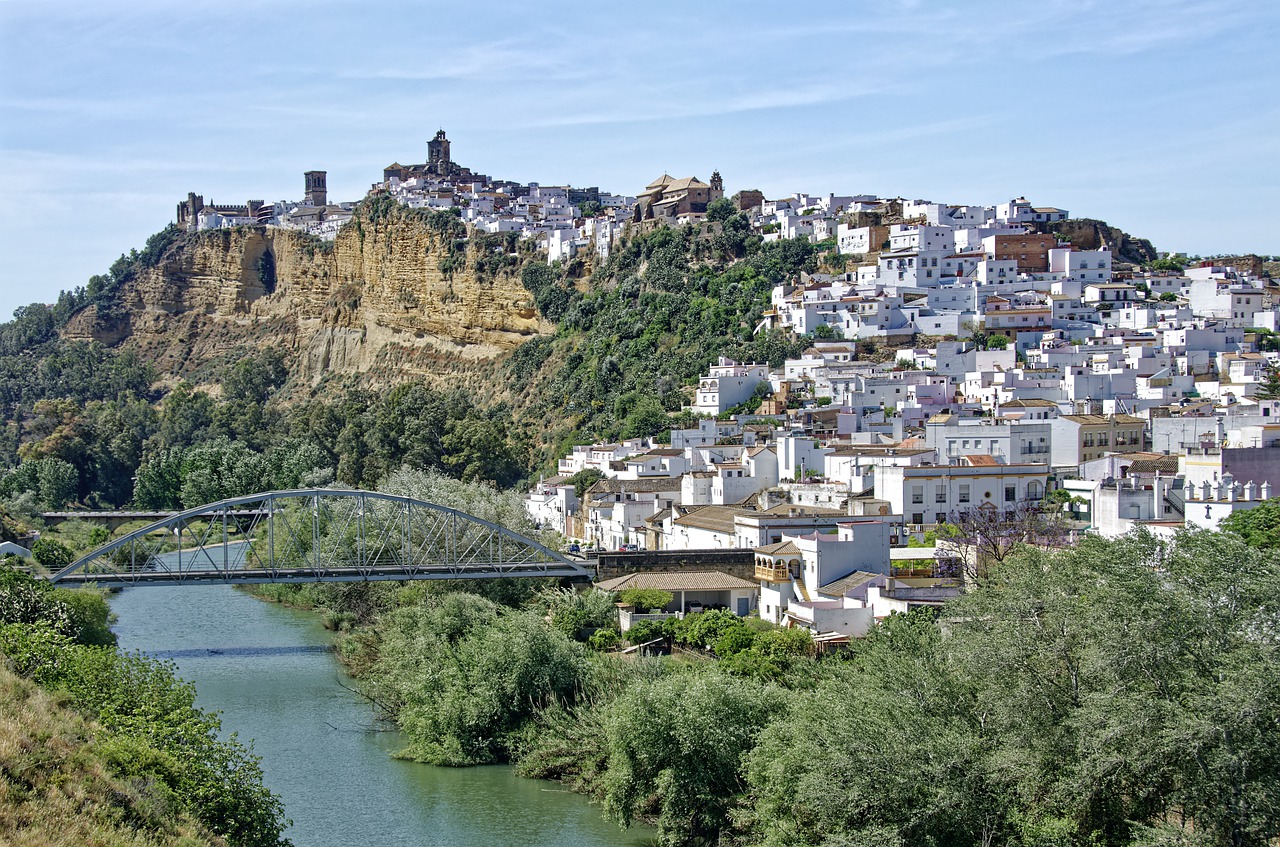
438 160
317 193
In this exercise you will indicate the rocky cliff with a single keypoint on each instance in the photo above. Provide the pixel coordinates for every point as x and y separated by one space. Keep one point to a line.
397 295
1088 234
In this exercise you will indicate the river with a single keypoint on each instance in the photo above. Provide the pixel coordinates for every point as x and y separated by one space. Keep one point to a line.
268 670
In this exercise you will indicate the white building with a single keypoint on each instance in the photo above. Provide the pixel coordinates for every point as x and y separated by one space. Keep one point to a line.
727 385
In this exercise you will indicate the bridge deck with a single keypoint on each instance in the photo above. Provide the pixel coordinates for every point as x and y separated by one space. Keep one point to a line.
300 575
312 535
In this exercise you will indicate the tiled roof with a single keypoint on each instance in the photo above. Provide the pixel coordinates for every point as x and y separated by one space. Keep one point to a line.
714 518
1163 465
1101 419
677 581
782 548
634 486
657 519
842 586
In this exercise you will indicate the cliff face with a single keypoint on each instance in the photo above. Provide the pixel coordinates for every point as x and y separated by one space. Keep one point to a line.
1088 234
375 301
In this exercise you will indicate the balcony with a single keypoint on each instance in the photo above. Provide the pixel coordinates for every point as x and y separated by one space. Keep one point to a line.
776 572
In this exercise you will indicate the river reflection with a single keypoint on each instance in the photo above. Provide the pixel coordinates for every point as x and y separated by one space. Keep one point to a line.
270 673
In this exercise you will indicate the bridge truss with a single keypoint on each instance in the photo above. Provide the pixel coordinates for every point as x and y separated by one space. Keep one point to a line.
316 535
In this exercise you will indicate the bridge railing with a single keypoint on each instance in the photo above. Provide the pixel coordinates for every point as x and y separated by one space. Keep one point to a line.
317 535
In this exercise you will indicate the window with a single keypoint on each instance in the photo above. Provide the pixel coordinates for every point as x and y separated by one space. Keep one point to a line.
964 492
917 494
1010 493
917 517
940 496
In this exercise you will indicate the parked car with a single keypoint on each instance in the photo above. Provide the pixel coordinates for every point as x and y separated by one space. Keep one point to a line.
575 548
629 548
693 607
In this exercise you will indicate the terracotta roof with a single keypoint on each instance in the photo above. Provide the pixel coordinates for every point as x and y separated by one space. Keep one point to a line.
635 486
1162 465
714 518
657 519
677 581
980 460
782 548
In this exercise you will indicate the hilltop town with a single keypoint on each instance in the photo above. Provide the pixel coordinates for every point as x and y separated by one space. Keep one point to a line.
1001 357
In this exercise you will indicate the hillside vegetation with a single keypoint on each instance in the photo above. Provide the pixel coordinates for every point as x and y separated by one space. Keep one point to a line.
1123 692
61 784
630 340
118 753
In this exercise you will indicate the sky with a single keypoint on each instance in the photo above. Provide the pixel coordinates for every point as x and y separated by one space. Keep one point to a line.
1162 118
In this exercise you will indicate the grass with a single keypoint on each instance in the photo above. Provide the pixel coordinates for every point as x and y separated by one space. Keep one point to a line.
58 789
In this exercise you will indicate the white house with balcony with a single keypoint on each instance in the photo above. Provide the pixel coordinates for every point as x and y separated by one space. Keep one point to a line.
727 385
1014 441
926 495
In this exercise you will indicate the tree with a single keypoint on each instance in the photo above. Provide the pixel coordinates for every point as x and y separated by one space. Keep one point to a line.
676 746
987 535
185 416
476 449
158 484
720 209
1114 692
1258 527
58 482
646 599
996 342
646 419
50 554
1269 389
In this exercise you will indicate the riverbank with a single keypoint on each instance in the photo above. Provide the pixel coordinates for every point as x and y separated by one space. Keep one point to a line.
475 682
271 673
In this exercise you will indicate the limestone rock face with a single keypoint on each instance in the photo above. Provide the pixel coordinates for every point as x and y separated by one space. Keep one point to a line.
374 300
1089 234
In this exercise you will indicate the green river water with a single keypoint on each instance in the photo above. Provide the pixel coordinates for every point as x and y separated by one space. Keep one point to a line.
268 671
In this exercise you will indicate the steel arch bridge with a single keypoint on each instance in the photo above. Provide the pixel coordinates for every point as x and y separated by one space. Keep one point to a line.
315 535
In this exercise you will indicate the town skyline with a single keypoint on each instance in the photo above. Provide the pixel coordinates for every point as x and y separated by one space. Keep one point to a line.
1137 115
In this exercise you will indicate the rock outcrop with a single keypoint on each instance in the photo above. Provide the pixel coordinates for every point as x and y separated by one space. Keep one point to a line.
391 298
1088 234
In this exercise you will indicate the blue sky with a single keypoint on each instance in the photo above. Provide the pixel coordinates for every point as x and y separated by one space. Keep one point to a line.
1162 118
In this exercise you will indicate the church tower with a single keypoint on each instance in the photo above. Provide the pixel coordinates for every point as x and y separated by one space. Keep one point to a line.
717 186
317 193
438 160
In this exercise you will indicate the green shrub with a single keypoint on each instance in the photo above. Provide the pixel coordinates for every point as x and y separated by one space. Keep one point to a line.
646 599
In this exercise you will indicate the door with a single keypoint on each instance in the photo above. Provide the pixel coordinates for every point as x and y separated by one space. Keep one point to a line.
744 606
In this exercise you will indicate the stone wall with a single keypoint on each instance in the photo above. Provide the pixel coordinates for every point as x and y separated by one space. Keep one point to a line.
739 563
